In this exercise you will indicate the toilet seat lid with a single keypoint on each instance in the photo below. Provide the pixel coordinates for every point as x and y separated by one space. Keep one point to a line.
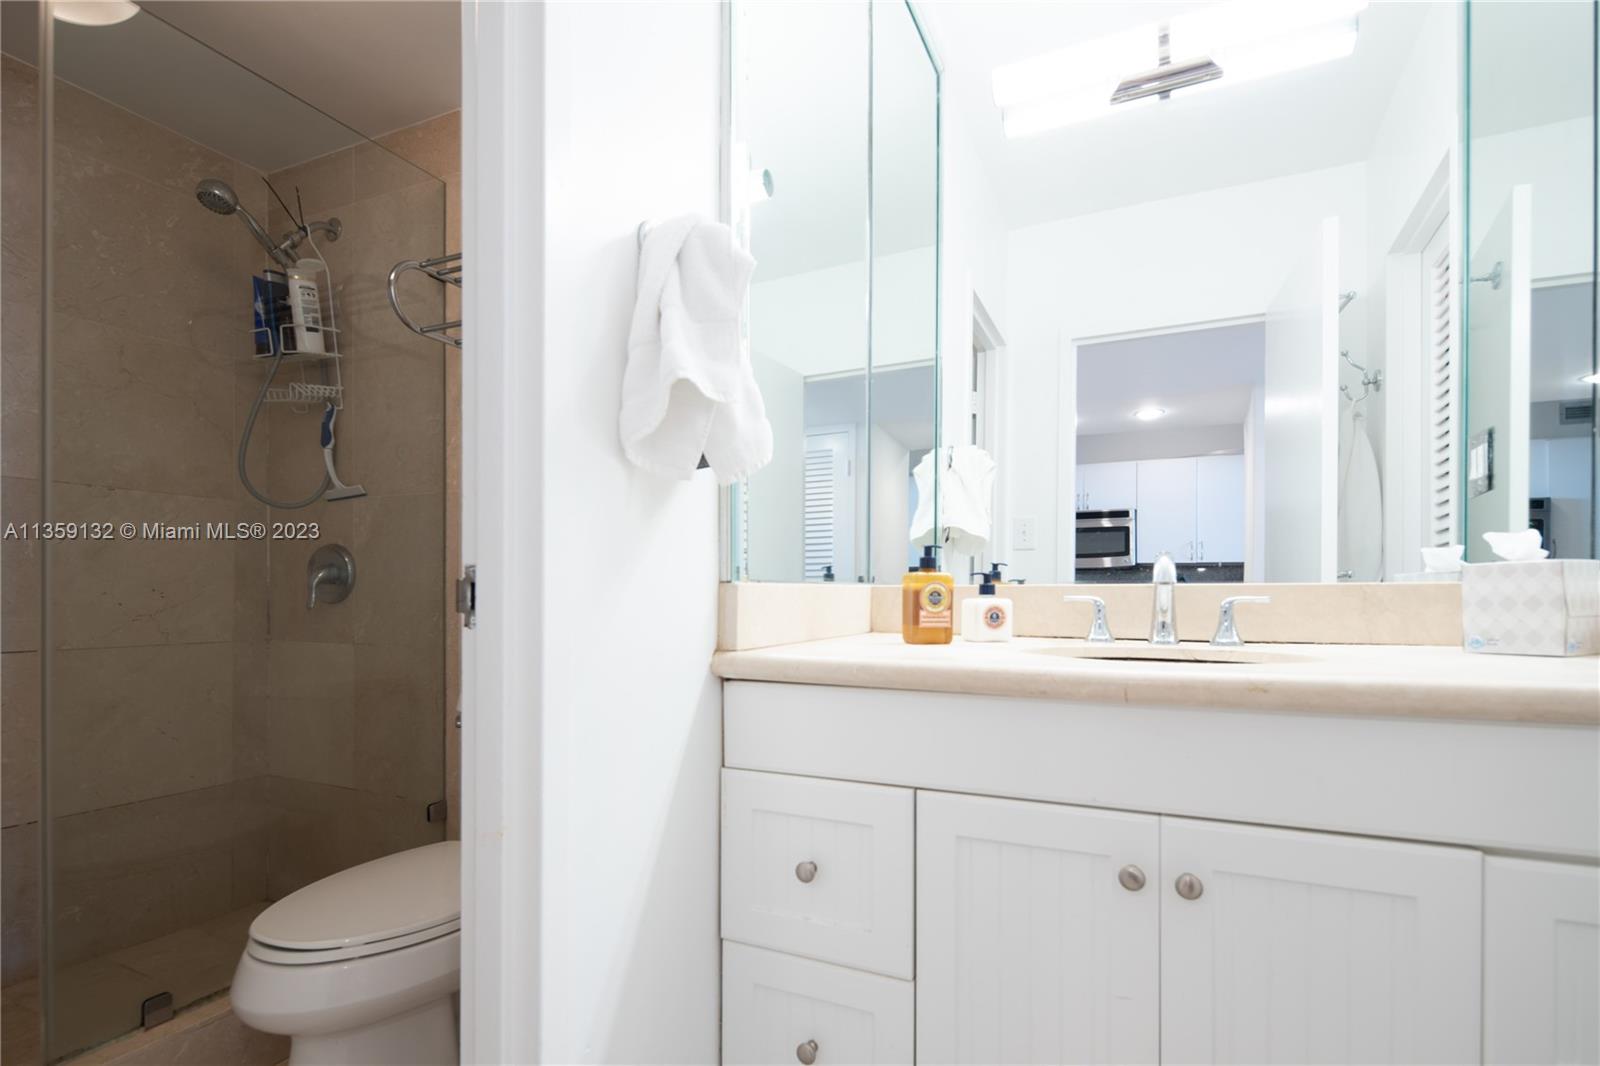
390 897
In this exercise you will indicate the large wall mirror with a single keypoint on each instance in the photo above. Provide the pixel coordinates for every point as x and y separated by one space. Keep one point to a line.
1530 299
835 145
1287 291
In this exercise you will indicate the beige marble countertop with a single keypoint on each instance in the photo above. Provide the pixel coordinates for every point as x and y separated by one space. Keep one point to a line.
1398 680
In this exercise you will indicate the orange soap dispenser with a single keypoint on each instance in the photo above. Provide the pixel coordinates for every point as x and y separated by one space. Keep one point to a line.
927 600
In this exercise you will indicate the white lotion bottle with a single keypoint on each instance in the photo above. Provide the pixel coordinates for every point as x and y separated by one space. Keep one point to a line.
305 305
987 618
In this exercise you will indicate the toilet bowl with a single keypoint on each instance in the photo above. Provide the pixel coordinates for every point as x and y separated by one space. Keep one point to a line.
361 968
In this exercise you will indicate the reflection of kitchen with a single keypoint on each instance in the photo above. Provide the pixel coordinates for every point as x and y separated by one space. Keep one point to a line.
1561 420
1165 424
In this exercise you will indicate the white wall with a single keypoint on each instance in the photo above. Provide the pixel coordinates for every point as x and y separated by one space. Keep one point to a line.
776 493
1160 443
603 944
1557 160
1201 258
816 322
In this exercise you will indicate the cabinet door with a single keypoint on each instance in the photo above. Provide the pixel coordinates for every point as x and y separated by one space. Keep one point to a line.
1028 947
1541 962
1109 486
818 868
1165 522
773 1005
1311 947
1219 509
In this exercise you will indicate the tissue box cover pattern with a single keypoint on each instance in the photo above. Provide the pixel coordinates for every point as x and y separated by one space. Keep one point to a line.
1542 607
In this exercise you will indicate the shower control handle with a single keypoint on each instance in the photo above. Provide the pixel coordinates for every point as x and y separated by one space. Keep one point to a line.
330 575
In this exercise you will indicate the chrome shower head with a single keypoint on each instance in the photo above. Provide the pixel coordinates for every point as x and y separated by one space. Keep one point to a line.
217 195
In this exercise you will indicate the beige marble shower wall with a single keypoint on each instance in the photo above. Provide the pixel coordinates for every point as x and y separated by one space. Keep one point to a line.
356 746
156 775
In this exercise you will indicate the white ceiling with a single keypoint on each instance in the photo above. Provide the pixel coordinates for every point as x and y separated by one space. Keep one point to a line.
375 65
269 84
1305 120
1202 377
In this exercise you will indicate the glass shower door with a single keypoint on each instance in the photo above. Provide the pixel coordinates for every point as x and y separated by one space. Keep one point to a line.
210 741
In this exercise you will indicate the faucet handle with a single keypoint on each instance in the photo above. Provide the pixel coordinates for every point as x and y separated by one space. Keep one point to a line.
1227 634
1099 633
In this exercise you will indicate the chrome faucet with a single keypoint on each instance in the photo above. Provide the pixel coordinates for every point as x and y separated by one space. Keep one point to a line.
1227 634
1164 614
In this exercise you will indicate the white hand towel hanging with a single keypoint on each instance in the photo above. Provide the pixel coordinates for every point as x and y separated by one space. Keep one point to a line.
966 487
688 389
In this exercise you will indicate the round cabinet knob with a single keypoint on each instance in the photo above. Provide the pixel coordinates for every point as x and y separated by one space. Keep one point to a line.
1131 878
807 873
807 1052
1189 886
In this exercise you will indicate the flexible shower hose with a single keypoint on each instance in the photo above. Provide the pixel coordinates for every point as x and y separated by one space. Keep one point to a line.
244 448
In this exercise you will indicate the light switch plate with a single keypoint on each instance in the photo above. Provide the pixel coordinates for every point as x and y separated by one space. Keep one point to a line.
1022 534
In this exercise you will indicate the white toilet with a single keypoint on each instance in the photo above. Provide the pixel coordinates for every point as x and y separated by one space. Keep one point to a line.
361 968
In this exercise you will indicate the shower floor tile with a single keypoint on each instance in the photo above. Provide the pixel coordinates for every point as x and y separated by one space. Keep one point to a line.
99 998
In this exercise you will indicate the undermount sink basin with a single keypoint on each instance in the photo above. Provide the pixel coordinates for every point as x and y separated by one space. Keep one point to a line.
1169 653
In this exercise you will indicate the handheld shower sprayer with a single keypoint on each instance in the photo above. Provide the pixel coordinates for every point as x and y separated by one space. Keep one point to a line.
218 197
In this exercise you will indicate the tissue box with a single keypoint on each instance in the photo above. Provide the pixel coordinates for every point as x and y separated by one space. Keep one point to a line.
1542 607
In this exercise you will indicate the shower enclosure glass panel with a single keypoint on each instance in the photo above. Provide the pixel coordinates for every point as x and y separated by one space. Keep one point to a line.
212 743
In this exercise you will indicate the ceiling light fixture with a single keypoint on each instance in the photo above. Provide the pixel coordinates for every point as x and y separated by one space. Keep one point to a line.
1224 44
1150 413
94 12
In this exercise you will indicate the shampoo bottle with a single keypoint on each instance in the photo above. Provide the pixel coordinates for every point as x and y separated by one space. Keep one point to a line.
927 598
986 618
305 306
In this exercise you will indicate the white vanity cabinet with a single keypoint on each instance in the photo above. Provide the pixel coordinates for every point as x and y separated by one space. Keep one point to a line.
1088 883
1541 962
1029 947
1282 946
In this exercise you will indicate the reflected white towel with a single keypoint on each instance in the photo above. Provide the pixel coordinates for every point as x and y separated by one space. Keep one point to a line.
966 487
1360 503
688 389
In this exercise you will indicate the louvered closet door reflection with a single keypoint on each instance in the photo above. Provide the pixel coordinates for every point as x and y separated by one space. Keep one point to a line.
1028 947
1313 947
1442 389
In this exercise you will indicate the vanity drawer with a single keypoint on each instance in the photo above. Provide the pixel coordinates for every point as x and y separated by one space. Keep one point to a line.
781 1009
819 868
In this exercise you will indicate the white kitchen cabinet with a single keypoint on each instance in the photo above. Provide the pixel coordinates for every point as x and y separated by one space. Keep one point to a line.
818 868
1541 977
1108 486
1166 506
781 1009
1029 949
1219 509
1312 947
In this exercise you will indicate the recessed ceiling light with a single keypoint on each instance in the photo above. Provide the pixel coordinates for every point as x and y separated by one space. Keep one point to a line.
1590 379
1150 414
94 12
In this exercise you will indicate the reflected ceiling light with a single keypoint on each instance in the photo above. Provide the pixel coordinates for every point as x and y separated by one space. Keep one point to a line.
1590 379
1150 413
1224 44
94 12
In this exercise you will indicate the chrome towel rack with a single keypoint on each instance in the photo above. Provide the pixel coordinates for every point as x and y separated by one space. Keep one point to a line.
445 269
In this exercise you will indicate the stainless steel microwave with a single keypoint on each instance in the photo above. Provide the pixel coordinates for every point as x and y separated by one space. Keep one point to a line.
1105 539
